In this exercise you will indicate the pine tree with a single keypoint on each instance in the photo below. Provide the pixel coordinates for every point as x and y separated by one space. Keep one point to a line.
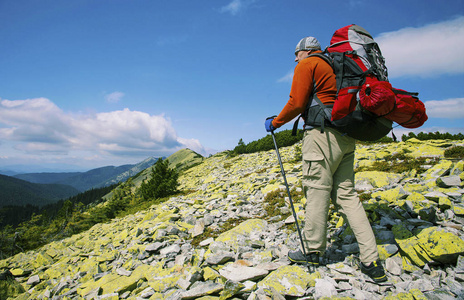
163 181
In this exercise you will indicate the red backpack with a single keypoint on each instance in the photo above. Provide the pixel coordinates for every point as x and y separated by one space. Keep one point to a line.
366 104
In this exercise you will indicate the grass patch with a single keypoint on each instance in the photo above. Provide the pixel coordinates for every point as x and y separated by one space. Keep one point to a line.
454 152
399 163
364 196
275 204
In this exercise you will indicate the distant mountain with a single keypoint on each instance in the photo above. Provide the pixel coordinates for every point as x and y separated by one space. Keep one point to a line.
14 191
95 178
8 172
46 177
134 170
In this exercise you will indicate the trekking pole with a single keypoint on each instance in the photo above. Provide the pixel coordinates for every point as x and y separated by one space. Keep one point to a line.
291 202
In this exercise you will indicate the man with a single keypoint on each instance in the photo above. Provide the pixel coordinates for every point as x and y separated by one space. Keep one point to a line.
328 158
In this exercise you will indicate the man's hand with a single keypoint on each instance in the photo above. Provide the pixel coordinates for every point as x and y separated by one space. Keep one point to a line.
268 124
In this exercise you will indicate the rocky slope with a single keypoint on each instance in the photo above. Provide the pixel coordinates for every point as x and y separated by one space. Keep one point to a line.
226 240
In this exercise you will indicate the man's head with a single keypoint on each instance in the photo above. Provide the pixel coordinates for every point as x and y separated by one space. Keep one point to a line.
305 46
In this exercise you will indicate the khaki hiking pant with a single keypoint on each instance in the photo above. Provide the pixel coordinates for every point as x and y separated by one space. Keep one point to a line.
328 160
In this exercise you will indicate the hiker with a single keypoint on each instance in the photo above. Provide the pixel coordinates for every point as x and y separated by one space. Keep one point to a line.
328 159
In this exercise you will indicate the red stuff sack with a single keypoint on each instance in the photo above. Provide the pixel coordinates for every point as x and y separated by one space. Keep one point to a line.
409 111
346 102
377 97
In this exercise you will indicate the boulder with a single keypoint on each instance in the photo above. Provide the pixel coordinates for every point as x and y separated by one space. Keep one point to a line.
289 281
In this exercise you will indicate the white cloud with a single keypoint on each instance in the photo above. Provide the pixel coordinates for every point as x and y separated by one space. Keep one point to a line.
448 109
236 6
287 77
430 50
114 97
38 126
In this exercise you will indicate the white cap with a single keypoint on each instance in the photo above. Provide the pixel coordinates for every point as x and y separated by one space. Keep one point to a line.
308 43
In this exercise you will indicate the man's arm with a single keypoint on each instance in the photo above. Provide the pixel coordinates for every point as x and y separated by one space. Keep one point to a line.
302 86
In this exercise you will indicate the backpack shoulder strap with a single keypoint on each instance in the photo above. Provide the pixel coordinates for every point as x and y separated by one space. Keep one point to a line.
326 58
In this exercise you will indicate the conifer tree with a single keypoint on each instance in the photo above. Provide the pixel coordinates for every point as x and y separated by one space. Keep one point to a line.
163 181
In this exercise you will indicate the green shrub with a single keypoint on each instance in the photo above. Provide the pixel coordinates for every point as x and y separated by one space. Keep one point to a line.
455 152
275 200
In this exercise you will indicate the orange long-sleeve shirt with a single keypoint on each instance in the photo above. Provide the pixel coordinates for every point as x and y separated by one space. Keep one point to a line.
307 72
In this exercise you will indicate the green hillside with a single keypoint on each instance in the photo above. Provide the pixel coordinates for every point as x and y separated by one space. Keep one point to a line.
19 192
181 160
184 158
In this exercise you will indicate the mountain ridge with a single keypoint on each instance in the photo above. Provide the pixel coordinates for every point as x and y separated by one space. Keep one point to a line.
94 178
15 191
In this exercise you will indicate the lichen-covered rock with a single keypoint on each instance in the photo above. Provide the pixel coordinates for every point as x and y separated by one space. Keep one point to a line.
242 231
230 289
202 289
111 283
439 170
376 178
289 281
440 245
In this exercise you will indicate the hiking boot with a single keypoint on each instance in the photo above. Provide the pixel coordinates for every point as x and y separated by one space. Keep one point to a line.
375 271
298 257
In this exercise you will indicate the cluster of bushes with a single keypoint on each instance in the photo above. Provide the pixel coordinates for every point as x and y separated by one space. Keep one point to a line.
423 136
283 139
81 212
454 152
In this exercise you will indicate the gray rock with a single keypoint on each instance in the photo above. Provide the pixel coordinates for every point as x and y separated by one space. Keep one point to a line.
449 181
33 280
460 265
324 288
456 196
206 242
239 273
434 196
199 228
147 293
202 289
170 249
394 265
123 272
220 258
351 248
423 285
154 247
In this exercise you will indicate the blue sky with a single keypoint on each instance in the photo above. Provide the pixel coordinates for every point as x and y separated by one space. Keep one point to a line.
85 84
